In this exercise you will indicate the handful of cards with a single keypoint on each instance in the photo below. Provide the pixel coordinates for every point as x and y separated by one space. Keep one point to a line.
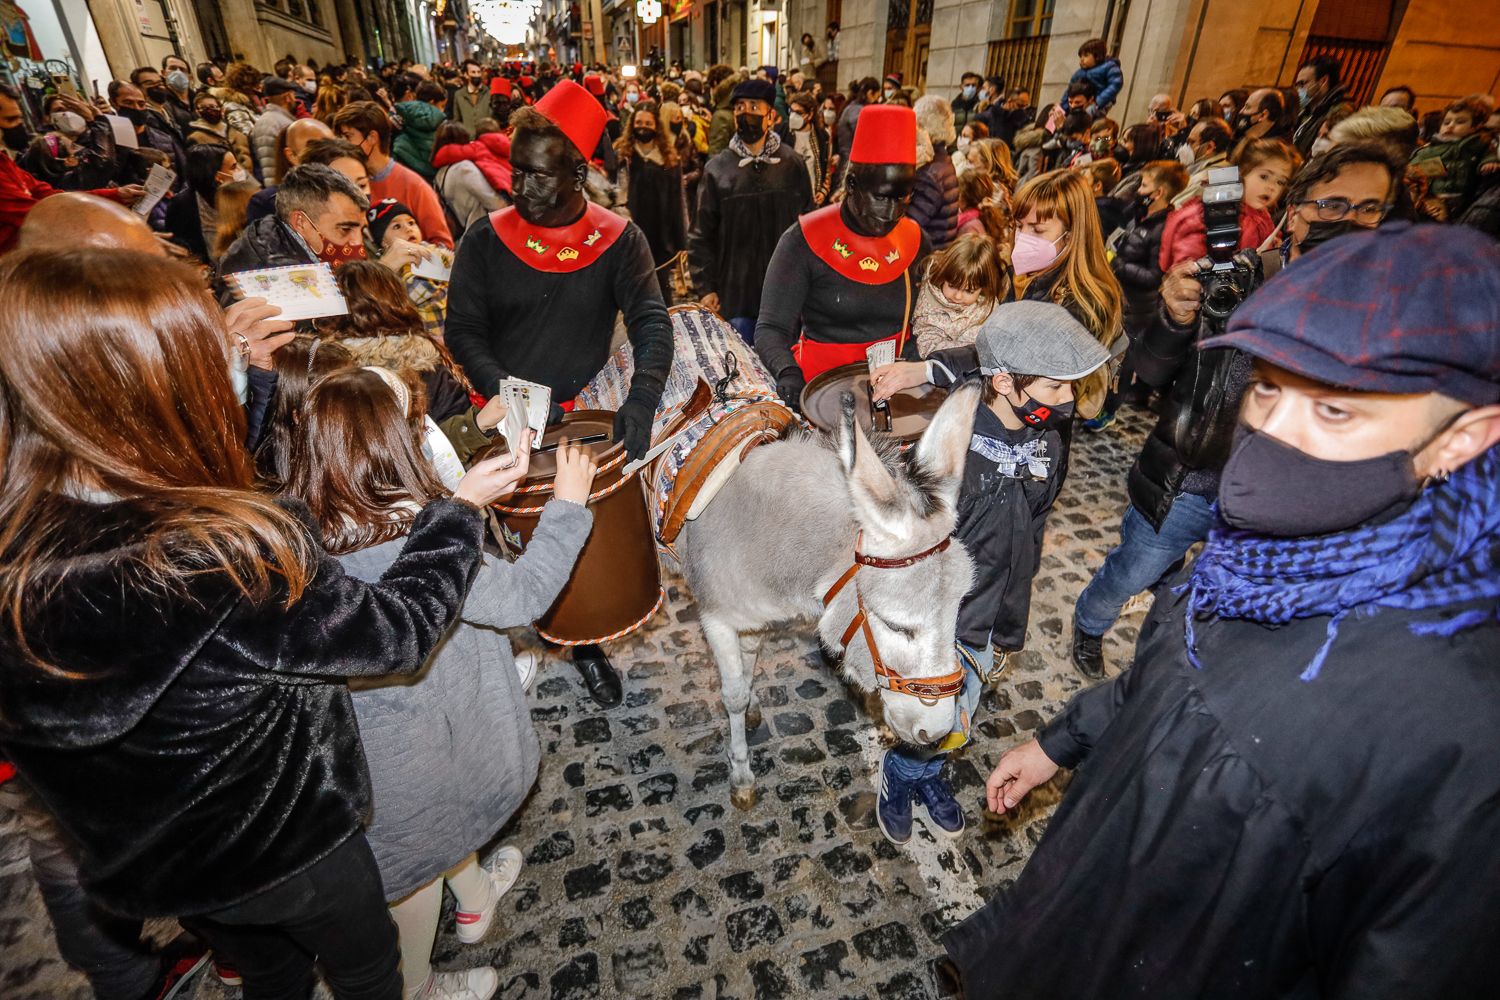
527 405
879 355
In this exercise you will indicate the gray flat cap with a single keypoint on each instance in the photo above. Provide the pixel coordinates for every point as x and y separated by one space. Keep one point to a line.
1037 338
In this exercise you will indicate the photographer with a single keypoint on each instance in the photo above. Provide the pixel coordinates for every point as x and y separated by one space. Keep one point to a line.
1175 479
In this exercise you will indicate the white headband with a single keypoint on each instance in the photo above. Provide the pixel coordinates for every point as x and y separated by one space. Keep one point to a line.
390 378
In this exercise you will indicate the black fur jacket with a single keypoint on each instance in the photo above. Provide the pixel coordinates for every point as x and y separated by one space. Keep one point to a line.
205 749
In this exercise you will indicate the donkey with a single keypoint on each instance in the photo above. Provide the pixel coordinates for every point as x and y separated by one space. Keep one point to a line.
841 531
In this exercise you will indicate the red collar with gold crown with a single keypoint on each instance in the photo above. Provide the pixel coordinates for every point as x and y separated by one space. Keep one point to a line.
564 248
869 260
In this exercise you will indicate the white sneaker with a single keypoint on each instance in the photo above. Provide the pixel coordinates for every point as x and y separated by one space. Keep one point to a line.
465 984
503 867
526 666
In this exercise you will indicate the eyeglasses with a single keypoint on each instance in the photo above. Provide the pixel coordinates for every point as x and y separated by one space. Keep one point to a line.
1337 209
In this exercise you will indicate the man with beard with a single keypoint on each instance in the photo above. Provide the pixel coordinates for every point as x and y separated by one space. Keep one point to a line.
536 287
749 194
847 272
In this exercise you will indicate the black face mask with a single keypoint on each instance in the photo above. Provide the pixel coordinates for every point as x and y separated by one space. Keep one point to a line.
1273 489
17 138
1242 124
158 94
211 115
751 128
136 116
1035 414
1321 232
644 136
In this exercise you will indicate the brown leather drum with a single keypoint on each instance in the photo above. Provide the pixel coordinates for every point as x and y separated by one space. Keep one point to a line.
616 585
911 409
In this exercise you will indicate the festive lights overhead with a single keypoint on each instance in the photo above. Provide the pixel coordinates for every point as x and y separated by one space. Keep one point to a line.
505 20
649 11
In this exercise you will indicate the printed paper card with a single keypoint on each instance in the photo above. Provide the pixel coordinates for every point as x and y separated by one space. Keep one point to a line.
302 291
881 354
438 265
158 182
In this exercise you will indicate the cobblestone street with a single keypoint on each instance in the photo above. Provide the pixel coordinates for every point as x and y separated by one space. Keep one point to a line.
642 880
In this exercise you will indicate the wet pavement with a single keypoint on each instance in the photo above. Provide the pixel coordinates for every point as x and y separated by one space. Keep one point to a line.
643 881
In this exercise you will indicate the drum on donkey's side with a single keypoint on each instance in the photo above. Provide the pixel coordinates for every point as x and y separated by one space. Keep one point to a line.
616 585
910 410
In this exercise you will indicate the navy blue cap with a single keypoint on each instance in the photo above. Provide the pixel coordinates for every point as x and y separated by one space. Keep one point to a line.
753 89
1400 309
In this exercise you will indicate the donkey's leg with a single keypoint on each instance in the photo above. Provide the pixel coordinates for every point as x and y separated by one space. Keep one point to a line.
734 689
750 645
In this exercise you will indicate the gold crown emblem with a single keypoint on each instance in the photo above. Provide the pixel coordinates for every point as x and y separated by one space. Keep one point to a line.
593 238
869 264
567 253
841 248
535 245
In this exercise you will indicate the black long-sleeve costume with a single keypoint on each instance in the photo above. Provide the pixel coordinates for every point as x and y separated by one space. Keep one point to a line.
505 318
1237 832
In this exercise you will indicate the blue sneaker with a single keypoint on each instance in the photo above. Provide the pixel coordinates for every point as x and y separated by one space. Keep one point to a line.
1097 424
942 808
893 804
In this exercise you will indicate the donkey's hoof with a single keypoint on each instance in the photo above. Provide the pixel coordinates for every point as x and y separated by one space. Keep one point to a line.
743 798
753 717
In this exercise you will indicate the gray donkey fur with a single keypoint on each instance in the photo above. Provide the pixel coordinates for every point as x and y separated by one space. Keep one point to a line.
782 531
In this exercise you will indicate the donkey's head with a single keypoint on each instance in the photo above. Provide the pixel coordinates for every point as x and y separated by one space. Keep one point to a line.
904 509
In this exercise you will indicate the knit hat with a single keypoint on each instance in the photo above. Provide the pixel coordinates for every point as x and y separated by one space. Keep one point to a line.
1037 338
1400 309
575 111
894 80
885 133
754 90
382 214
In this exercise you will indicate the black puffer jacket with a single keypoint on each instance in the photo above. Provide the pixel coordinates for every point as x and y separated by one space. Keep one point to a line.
934 200
1138 269
206 749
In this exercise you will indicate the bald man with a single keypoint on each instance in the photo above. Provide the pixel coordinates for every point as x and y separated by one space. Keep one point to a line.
298 135
73 219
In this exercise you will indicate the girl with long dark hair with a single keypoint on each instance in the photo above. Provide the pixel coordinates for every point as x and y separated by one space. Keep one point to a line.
653 188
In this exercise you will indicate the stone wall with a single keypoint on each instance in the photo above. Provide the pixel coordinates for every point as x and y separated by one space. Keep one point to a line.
1445 50
961 34
862 40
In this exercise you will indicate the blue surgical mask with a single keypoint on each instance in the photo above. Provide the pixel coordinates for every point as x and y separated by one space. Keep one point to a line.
1302 95
969 91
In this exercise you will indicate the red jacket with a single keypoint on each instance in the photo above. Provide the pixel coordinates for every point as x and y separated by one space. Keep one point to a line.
18 192
1184 237
490 153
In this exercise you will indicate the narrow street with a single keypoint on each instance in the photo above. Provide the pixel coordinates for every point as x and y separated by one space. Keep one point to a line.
643 881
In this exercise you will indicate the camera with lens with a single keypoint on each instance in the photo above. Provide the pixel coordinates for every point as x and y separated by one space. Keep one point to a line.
1227 274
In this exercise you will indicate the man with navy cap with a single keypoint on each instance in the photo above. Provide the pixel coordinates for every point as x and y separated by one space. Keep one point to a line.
1295 789
750 193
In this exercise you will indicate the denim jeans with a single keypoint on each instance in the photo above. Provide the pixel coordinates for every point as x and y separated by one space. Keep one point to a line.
333 913
1142 557
104 946
914 764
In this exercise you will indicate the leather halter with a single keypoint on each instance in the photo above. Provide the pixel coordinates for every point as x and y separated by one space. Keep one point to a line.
927 690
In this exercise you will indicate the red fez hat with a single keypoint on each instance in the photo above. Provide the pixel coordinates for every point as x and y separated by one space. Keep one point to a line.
885 133
582 118
594 84
500 85
526 82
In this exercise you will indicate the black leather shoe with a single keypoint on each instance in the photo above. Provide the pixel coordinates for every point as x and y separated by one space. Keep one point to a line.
1088 654
598 676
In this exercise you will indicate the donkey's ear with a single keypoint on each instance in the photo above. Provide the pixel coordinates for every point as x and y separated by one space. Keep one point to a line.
944 446
879 500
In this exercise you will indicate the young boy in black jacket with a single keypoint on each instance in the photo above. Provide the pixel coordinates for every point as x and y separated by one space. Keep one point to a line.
1029 354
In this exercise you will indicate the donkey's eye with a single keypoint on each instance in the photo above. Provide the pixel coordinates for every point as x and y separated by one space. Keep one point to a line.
901 630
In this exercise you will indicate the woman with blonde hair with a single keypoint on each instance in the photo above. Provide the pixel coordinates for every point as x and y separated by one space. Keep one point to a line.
992 156
176 636
1059 257
233 204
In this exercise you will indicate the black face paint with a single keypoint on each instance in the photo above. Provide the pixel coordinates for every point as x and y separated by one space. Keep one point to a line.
545 189
1274 489
878 197
750 128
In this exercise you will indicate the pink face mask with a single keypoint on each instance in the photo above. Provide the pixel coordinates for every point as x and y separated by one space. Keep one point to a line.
1032 253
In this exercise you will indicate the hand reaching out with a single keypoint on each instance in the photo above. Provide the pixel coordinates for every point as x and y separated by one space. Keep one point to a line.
1020 770
493 478
491 414
887 380
576 467
254 326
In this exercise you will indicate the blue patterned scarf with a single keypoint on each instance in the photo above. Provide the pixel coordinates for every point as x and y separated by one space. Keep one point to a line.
1443 551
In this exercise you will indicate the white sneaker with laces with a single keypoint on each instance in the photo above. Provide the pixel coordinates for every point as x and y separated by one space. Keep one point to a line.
465 984
503 867
526 666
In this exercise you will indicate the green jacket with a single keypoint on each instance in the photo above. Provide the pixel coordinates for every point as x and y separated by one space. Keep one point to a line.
413 147
721 126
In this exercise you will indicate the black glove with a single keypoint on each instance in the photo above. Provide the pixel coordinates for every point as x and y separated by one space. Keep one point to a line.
555 415
633 425
789 386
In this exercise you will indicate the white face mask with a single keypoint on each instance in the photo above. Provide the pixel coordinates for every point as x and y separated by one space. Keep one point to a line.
69 123
238 174
963 141
829 116
796 121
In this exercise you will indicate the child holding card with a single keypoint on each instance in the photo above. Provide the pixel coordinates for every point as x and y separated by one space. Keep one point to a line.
424 268
1029 356
963 284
